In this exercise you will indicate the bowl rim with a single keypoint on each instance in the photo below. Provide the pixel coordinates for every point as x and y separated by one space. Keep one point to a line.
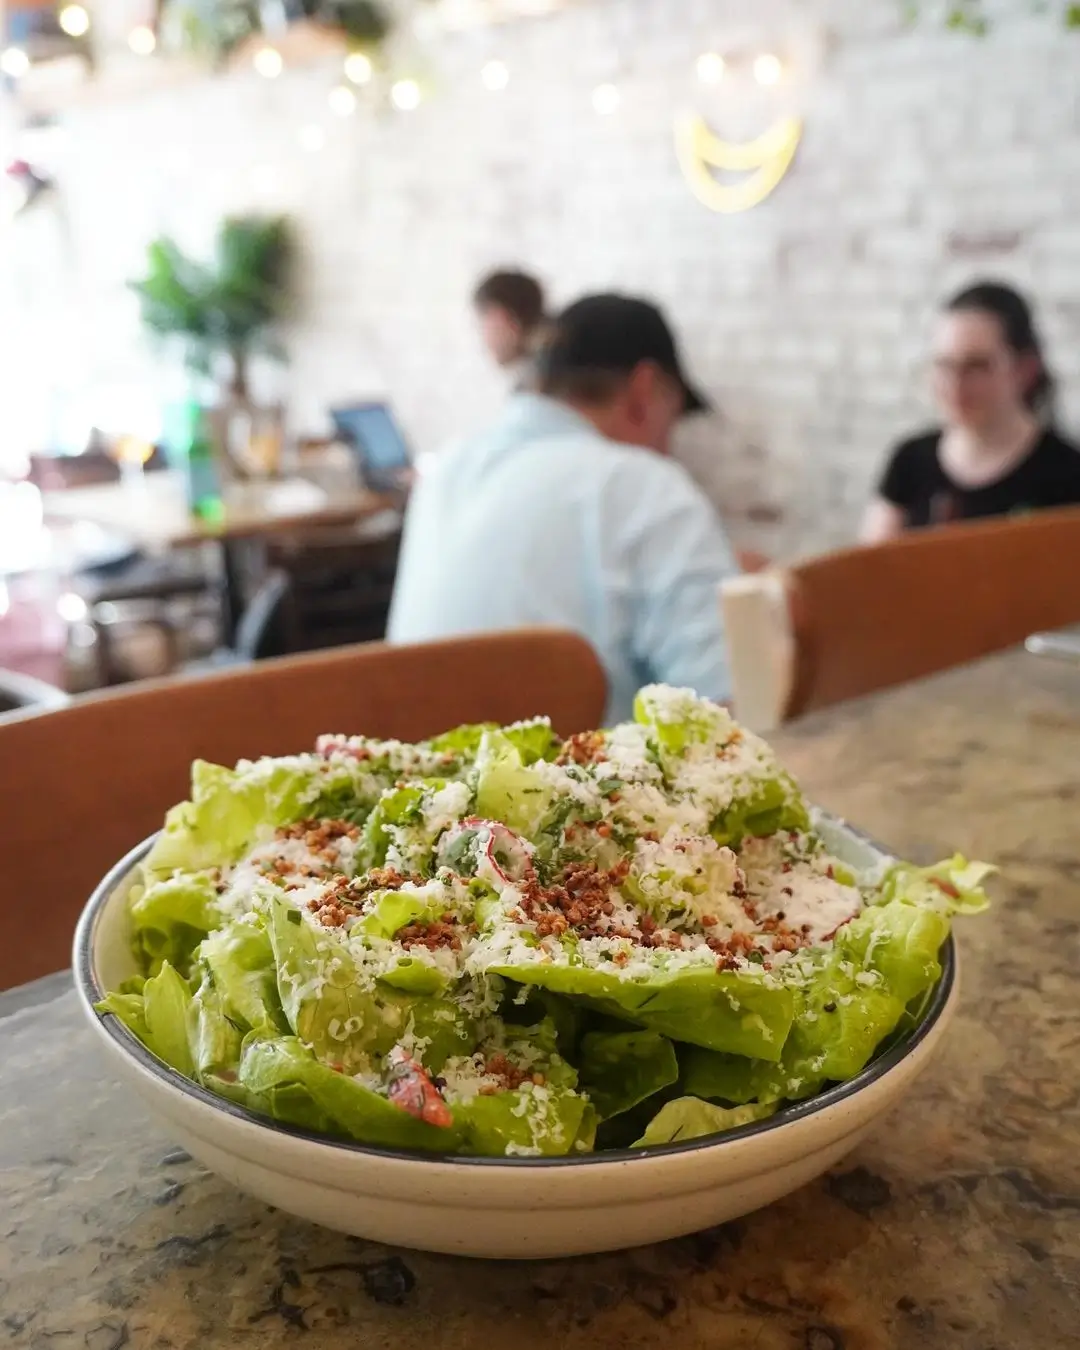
125 1041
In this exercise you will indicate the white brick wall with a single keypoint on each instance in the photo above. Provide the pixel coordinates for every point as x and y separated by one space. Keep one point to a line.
928 157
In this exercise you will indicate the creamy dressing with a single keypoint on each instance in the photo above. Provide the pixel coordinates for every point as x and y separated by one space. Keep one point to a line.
812 900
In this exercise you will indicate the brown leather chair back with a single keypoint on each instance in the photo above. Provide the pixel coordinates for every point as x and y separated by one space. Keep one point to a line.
867 618
80 787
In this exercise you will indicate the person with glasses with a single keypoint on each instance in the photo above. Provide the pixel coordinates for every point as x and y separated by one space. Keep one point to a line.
997 452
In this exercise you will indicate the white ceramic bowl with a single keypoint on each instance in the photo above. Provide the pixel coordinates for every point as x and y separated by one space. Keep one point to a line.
513 1208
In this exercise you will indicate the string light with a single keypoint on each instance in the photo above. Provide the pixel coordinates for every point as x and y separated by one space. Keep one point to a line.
606 99
342 100
358 68
269 62
495 76
711 68
72 608
74 20
405 95
14 62
768 69
142 40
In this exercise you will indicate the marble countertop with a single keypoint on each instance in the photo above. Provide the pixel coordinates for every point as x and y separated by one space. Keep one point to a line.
956 1225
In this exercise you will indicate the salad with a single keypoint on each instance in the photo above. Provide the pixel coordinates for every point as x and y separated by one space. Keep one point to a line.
500 943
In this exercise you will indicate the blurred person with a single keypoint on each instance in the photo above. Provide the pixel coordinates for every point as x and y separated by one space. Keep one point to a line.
510 308
997 451
570 512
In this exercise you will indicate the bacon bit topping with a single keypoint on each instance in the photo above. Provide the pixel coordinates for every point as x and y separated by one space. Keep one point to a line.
333 909
946 886
510 1075
587 747
384 879
784 939
551 925
344 898
433 934
318 834
580 901
322 840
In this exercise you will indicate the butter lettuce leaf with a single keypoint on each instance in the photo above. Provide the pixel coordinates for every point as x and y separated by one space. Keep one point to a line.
344 1013
293 1086
240 963
721 1010
230 807
158 1017
619 1070
954 886
169 918
688 1118
850 1003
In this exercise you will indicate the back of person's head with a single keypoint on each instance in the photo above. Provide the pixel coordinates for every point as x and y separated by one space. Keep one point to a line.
510 305
614 358
1015 318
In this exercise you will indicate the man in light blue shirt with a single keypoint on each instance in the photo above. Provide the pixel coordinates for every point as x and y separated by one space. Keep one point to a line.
570 512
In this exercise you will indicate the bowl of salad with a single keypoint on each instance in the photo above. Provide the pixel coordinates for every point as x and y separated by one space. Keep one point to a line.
504 995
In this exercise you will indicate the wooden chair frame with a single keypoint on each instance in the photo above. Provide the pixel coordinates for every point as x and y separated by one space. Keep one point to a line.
862 619
81 786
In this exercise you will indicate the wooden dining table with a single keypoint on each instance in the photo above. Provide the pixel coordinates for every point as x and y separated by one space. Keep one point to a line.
955 1226
152 512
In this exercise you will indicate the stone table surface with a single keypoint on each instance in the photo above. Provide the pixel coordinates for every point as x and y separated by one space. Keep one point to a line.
956 1225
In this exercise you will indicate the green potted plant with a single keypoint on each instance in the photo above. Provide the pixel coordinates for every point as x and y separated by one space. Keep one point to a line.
224 311
215 28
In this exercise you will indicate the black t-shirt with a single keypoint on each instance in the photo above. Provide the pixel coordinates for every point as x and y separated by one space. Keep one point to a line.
916 482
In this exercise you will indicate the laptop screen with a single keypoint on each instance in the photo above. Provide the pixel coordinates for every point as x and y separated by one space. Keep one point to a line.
372 429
